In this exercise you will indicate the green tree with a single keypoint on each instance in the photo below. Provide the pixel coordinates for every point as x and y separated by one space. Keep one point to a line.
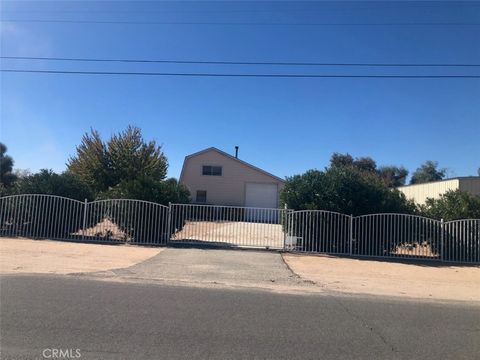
133 158
365 164
175 192
343 189
346 190
28 214
453 205
126 157
393 176
50 183
7 177
339 160
427 172
362 163
91 163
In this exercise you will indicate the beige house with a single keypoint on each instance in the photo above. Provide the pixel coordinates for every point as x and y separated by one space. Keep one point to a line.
420 192
215 177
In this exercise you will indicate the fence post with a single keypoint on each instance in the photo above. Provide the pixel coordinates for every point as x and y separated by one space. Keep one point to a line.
84 225
442 231
285 227
169 222
351 234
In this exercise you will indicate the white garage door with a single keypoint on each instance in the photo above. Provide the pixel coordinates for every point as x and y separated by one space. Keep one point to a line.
261 195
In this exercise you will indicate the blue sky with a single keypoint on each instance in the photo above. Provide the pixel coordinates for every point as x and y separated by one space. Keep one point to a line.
285 126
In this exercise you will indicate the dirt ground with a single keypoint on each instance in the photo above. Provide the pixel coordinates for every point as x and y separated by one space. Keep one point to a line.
104 228
329 273
56 257
435 281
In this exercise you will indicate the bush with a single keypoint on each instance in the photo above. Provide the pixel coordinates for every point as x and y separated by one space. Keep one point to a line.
127 220
40 216
453 205
140 221
49 183
457 205
462 241
343 189
148 189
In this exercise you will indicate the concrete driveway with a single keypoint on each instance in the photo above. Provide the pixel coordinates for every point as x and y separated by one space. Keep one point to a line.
244 268
236 233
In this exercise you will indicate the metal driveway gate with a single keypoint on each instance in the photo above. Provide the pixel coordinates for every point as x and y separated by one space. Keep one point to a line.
318 231
228 226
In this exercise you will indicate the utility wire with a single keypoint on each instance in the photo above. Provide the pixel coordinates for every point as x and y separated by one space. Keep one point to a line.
239 75
237 23
237 62
275 10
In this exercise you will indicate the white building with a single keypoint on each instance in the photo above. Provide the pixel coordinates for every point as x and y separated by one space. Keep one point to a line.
420 192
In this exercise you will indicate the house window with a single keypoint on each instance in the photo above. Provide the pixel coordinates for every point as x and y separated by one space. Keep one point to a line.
201 196
212 170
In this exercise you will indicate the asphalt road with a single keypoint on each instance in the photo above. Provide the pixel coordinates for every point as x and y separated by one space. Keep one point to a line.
112 320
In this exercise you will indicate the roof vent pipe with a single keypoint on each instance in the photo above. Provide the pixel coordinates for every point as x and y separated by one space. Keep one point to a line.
236 152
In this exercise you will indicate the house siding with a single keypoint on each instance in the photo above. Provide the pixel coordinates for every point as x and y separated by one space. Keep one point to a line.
228 189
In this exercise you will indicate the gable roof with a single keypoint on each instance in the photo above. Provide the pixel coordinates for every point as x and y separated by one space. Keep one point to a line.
230 157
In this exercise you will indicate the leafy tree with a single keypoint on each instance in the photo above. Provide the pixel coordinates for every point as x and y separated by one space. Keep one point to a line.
7 177
126 157
365 164
427 172
42 215
362 163
175 192
91 163
343 189
50 183
456 205
346 190
131 157
393 176
126 167
453 205
338 160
